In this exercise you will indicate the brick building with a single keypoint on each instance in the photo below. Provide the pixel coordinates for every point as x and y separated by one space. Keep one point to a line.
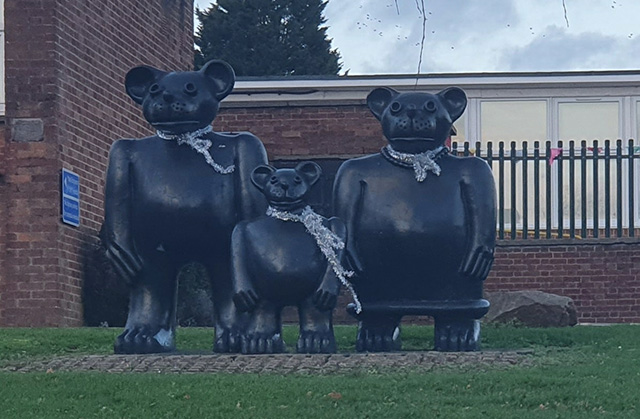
64 65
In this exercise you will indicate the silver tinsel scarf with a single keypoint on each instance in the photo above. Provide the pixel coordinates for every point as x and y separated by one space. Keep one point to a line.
327 241
422 163
200 145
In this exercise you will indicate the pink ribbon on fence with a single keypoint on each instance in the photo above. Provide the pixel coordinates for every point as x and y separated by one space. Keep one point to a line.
555 153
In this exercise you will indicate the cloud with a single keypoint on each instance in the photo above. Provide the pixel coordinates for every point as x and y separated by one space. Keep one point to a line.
384 36
558 50
492 35
377 37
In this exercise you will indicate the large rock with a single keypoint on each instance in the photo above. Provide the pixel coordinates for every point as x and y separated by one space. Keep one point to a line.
531 308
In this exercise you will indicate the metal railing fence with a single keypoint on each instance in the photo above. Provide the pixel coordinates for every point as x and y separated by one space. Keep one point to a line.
568 189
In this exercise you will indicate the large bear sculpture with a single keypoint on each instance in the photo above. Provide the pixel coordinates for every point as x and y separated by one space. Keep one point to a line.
420 223
175 197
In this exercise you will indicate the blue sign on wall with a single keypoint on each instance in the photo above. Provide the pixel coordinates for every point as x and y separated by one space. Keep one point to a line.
70 198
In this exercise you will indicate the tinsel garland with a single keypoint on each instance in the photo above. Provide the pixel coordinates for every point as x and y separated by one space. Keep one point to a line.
201 145
422 163
327 241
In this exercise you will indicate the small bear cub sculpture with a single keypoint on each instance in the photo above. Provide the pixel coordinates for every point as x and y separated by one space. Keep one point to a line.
290 256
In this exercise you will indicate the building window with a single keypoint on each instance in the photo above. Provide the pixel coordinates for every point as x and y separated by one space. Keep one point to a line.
513 120
593 120
461 128
636 134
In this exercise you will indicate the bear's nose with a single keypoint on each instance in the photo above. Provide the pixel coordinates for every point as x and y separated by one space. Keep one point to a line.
167 96
411 111
284 184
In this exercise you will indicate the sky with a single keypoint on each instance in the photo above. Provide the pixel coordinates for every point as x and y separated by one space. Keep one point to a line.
471 36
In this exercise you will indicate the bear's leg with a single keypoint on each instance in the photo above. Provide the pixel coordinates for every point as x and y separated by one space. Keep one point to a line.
151 323
457 334
229 322
378 333
316 330
264 332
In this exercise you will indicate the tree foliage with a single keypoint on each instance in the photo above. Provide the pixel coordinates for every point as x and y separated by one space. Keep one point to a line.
267 37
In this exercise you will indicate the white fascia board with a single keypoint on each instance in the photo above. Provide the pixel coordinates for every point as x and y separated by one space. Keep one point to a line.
354 90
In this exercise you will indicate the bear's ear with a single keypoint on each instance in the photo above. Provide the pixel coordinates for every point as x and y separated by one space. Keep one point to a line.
261 175
379 99
138 80
310 171
455 100
222 76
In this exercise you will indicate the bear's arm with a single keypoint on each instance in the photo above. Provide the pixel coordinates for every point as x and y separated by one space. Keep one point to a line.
117 216
244 295
479 198
250 153
348 192
326 295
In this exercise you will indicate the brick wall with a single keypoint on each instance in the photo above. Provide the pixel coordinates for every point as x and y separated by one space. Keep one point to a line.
318 131
28 288
65 105
602 277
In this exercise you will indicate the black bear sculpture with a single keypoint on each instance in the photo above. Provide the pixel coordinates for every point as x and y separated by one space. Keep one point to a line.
175 197
289 257
420 222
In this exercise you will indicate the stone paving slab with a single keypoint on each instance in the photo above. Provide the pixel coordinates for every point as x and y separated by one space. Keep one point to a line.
277 363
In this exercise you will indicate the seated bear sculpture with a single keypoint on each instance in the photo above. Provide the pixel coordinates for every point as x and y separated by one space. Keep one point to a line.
420 222
288 257
175 197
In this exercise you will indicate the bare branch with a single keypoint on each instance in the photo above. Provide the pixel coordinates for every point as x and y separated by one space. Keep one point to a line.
564 7
423 12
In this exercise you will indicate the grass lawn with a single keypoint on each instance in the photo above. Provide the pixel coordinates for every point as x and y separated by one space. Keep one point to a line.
582 372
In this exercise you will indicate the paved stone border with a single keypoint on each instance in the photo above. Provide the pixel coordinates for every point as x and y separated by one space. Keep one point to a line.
277 364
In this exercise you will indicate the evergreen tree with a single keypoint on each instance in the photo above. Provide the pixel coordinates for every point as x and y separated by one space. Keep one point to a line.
267 37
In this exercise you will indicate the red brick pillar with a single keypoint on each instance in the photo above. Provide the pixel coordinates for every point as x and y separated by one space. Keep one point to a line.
65 104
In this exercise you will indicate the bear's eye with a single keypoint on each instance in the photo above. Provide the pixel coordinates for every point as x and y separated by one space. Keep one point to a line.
190 89
396 107
273 180
430 106
154 89
297 179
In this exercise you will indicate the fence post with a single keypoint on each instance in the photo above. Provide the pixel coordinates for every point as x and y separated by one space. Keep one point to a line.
501 190
514 202
619 187
536 189
607 189
632 227
583 186
560 162
525 191
572 190
548 191
596 216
